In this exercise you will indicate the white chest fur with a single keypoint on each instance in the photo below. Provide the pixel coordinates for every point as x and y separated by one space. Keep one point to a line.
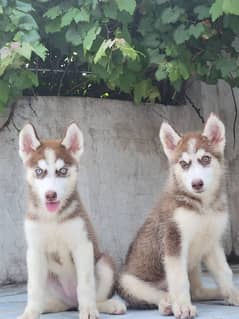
200 232
56 241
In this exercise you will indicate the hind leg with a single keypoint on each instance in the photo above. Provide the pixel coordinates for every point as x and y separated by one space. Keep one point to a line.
105 282
142 294
199 292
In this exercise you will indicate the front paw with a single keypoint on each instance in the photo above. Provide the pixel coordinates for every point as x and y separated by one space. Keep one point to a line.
233 298
164 305
184 310
29 314
89 312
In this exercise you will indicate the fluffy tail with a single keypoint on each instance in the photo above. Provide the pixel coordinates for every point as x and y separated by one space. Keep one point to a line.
138 293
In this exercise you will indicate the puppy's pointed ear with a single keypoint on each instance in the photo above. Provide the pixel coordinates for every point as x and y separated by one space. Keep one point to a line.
214 130
169 139
28 141
73 141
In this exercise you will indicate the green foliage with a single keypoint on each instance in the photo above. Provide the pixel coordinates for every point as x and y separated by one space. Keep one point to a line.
135 49
19 41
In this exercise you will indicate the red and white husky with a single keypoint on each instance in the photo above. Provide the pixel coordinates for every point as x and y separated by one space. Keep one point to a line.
184 229
65 266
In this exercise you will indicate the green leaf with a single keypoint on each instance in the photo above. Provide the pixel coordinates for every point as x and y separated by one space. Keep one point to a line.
181 34
231 6
73 36
90 37
102 50
231 22
126 5
173 72
24 6
53 26
69 16
25 79
216 9
126 49
202 12
110 10
4 92
171 15
25 50
196 30
145 89
82 15
53 12
27 23
226 66
1 10
183 70
40 50
27 36
5 63
161 74
33 78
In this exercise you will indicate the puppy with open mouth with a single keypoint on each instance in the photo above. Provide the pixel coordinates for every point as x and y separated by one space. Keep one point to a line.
66 268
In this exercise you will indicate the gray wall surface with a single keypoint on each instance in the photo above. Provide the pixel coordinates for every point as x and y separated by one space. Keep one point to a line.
122 170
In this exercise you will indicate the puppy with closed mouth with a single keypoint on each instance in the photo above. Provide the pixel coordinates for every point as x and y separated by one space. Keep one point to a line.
66 268
184 230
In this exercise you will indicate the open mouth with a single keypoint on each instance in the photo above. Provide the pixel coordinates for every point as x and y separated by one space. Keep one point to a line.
52 206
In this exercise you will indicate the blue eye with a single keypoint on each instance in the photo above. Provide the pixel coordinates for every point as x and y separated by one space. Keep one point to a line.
39 172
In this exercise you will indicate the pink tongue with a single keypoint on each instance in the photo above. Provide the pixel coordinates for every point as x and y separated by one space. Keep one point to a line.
52 207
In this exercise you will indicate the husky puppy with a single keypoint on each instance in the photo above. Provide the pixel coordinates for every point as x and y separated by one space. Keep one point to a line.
184 229
66 268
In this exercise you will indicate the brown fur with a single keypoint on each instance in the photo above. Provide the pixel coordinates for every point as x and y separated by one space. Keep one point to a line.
58 148
201 142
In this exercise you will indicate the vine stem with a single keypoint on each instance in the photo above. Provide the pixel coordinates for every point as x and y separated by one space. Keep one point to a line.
10 116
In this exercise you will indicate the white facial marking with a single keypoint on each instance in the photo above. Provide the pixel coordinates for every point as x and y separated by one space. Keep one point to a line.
50 156
209 174
62 185
59 163
42 164
201 152
191 146
185 157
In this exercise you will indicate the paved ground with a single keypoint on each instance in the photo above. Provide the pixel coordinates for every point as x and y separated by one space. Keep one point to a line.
13 300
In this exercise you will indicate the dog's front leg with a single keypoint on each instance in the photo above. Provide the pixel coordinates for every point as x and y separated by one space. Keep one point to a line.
217 264
178 284
37 278
83 257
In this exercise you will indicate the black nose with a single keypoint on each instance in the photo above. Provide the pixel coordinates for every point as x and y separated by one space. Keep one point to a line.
51 196
197 184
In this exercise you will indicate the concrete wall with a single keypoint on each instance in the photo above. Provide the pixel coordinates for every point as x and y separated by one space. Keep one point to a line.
122 170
